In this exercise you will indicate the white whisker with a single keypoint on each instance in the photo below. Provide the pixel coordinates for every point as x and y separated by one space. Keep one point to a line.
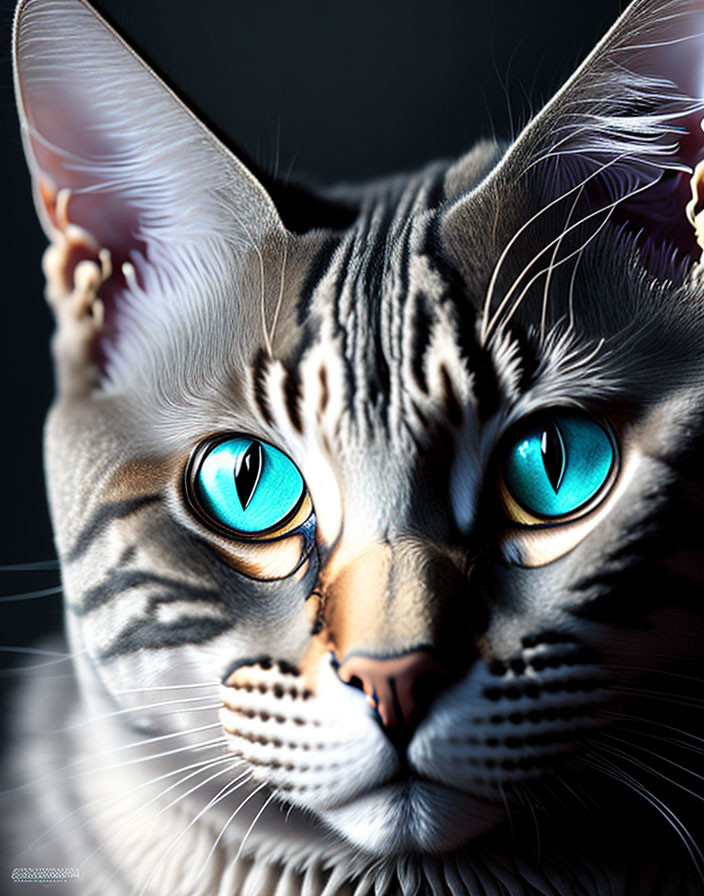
85 759
650 769
169 687
599 763
251 827
31 595
201 766
132 709
232 817
30 567
548 279
485 325
603 210
224 792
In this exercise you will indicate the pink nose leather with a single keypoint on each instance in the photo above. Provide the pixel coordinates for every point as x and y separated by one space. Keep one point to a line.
399 688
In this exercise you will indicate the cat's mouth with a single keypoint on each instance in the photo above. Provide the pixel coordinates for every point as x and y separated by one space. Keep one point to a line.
323 751
332 758
410 813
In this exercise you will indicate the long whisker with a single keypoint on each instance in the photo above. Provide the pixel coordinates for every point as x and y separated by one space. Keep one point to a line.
226 791
607 210
280 298
669 672
130 709
600 764
583 797
251 827
21 670
570 296
169 687
484 330
517 303
649 768
30 567
509 814
190 709
31 595
231 818
671 741
165 808
632 718
39 651
692 703
551 267
200 767
85 759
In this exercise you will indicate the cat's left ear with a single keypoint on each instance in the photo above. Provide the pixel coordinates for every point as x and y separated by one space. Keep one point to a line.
119 163
623 136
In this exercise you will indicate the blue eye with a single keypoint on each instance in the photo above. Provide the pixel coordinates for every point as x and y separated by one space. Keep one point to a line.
558 464
247 485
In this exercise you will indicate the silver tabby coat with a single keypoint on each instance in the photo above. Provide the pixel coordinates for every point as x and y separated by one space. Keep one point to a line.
409 684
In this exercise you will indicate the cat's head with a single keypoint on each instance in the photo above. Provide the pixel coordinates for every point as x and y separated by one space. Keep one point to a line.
404 473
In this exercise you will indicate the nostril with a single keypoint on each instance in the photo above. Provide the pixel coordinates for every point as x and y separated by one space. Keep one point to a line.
355 682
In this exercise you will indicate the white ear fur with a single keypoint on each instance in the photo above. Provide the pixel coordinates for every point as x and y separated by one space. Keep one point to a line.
631 96
147 180
618 143
625 109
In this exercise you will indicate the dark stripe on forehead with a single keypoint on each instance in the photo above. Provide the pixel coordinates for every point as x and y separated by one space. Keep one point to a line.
421 325
319 267
529 354
371 292
478 360
436 188
379 381
101 520
292 396
405 257
259 369
340 328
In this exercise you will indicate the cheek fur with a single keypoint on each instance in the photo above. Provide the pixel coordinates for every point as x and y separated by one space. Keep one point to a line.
393 691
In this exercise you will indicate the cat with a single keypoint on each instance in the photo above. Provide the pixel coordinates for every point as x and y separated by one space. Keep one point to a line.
378 509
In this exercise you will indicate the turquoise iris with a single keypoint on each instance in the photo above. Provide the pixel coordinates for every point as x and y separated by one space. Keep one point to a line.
247 485
558 464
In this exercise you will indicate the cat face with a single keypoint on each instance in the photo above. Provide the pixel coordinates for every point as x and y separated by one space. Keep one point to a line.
412 489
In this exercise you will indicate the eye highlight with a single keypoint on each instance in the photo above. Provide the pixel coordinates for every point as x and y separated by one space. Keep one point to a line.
556 466
246 487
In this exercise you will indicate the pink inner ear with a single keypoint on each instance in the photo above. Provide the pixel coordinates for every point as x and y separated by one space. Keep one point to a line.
146 180
76 153
97 205
87 232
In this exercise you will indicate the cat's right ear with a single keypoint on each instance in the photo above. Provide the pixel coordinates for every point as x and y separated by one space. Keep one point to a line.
119 165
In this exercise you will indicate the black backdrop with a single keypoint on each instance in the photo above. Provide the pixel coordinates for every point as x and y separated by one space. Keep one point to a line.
330 91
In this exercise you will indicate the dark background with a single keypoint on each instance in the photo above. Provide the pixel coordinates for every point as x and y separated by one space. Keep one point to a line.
335 91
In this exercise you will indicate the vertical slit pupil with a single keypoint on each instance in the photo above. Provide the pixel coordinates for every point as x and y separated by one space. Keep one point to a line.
247 473
552 447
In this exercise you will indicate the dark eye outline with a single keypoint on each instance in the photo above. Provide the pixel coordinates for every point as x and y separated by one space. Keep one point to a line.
545 418
195 461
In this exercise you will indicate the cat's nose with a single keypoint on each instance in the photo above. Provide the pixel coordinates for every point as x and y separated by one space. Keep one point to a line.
399 688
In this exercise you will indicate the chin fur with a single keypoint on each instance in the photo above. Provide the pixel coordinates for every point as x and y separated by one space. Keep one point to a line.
412 816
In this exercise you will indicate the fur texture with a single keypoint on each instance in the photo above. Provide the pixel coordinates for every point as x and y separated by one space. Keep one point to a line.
212 744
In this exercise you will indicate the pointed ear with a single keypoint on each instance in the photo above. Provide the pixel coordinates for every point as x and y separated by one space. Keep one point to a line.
623 135
119 163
